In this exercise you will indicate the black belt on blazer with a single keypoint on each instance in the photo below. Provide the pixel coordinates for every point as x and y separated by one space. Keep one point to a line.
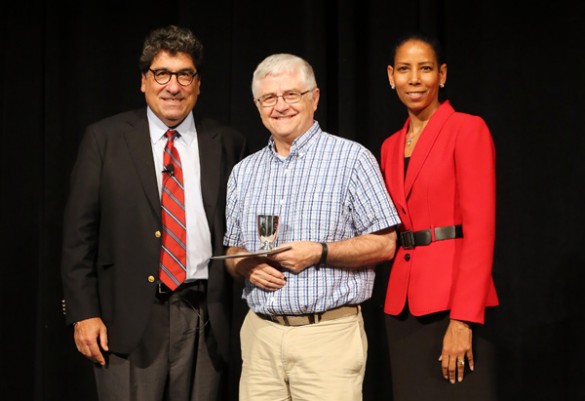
410 239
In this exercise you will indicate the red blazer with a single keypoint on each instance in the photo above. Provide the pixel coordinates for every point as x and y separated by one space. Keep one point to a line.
450 180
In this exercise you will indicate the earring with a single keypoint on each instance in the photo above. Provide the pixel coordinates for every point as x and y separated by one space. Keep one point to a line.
442 85
392 86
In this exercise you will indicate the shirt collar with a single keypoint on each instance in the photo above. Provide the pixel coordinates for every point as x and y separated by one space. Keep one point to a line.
158 128
300 144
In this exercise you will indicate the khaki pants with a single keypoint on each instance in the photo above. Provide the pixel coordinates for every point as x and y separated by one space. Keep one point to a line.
316 362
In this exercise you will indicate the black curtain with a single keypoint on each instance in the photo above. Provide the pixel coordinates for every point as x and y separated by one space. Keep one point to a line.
521 66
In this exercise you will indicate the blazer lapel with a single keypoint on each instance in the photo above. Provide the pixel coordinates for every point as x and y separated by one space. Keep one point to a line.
140 150
425 143
397 169
209 158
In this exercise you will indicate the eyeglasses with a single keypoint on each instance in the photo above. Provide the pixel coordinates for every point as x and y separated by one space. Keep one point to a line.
289 97
184 78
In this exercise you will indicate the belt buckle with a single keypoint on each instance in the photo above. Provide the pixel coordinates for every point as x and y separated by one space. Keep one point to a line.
423 237
407 239
161 290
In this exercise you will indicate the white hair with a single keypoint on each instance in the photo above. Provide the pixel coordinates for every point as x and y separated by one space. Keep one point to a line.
280 63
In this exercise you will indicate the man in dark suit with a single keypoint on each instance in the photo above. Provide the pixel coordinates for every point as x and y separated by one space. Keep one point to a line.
151 338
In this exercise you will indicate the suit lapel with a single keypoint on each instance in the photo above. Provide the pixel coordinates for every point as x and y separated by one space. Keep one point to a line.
397 169
209 158
140 149
425 144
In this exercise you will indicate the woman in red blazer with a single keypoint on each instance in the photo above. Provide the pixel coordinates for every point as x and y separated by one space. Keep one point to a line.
440 171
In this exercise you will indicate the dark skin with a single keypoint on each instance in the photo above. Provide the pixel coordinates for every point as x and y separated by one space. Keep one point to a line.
417 75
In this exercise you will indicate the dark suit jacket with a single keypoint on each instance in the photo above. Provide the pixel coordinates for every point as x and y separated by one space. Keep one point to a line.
112 226
451 179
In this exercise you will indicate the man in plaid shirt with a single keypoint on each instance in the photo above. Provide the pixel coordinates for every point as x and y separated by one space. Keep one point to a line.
304 337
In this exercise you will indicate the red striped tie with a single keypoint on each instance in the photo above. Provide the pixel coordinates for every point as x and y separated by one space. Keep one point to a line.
173 255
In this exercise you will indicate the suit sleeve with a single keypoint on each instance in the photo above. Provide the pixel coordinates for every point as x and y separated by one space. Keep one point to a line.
80 233
476 186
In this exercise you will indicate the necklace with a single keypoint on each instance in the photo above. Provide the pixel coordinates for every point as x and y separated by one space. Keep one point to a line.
409 140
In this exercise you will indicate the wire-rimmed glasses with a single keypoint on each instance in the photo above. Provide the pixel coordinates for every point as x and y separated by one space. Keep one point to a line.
290 97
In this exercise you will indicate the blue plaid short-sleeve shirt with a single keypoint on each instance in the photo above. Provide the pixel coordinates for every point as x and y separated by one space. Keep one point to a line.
327 189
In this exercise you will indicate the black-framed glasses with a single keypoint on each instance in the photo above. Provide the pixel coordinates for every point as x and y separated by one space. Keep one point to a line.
184 78
289 97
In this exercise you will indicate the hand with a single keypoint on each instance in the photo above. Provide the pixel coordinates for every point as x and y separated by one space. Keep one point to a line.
259 272
87 334
302 255
456 348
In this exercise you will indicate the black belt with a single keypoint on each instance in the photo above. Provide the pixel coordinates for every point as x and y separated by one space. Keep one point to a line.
410 239
194 285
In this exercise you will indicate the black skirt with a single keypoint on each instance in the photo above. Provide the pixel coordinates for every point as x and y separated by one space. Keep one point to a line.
415 345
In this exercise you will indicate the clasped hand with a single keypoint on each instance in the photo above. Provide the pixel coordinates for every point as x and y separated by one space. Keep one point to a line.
266 272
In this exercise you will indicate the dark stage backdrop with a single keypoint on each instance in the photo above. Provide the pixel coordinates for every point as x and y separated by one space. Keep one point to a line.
67 64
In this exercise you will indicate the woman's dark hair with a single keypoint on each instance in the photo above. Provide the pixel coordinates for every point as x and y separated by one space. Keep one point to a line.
172 39
430 40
